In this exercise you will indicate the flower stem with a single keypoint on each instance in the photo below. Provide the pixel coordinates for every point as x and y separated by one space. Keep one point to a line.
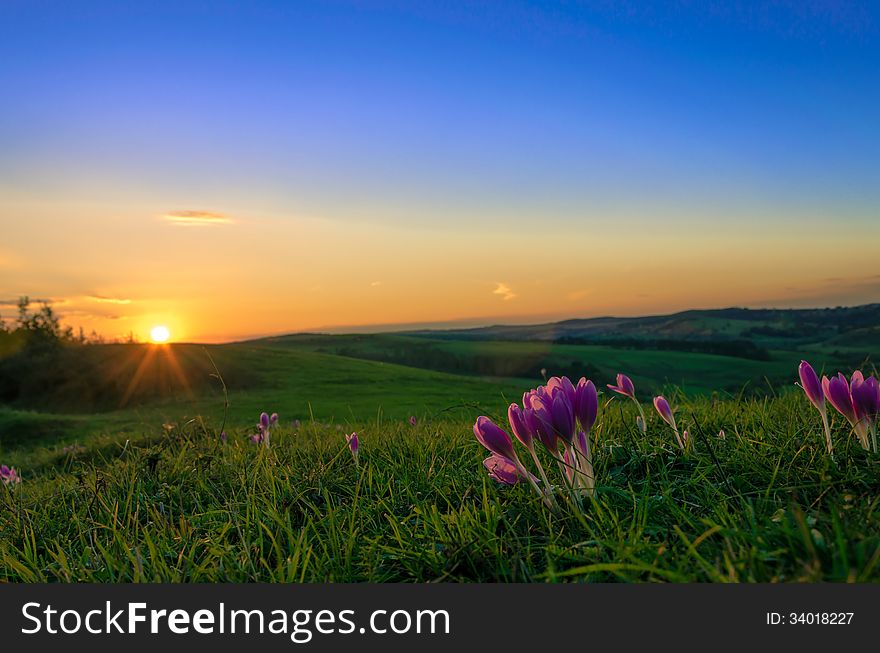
828 443
548 489
644 424
522 470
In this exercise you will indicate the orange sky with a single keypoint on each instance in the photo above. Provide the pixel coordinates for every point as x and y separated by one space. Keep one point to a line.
216 273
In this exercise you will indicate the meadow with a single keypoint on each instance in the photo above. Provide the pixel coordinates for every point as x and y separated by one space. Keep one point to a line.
151 492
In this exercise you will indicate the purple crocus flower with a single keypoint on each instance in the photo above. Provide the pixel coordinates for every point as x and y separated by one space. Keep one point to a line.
9 476
353 442
518 425
353 445
583 441
864 394
504 470
264 420
813 389
562 417
412 420
539 421
586 403
810 384
664 410
561 384
257 438
837 392
273 418
624 386
493 437
223 436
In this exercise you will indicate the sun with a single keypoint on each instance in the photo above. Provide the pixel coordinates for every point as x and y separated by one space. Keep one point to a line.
160 334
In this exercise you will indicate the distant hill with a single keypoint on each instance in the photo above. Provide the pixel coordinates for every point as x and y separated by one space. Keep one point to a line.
857 326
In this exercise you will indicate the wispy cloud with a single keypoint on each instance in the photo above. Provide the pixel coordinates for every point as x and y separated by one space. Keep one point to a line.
101 299
197 218
504 291
375 284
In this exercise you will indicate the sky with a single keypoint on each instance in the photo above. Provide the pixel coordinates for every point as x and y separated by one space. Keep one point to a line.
234 169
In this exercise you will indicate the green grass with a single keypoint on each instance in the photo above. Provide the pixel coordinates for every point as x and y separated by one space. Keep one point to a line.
651 370
764 504
155 496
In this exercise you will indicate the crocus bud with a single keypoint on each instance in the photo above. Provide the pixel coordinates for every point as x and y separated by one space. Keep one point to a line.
837 392
518 425
810 384
640 424
353 443
865 398
624 386
664 410
538 422
583 442
264 420
494 438
562 417
586 403
561 384
504 470
274 418
412 420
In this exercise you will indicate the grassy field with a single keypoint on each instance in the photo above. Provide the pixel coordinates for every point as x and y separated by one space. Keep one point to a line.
652 370
153 494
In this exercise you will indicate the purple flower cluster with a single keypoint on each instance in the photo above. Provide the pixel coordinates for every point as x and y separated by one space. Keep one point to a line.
9 476
263 426
559 415
856 398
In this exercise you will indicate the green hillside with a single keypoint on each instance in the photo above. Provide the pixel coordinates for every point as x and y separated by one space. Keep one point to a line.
126 476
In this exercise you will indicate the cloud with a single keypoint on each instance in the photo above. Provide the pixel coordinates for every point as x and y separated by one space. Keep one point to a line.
578 294
196 218
108 300
375 284
504 291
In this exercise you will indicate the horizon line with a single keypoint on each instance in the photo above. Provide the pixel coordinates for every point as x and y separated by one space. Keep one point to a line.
463 324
